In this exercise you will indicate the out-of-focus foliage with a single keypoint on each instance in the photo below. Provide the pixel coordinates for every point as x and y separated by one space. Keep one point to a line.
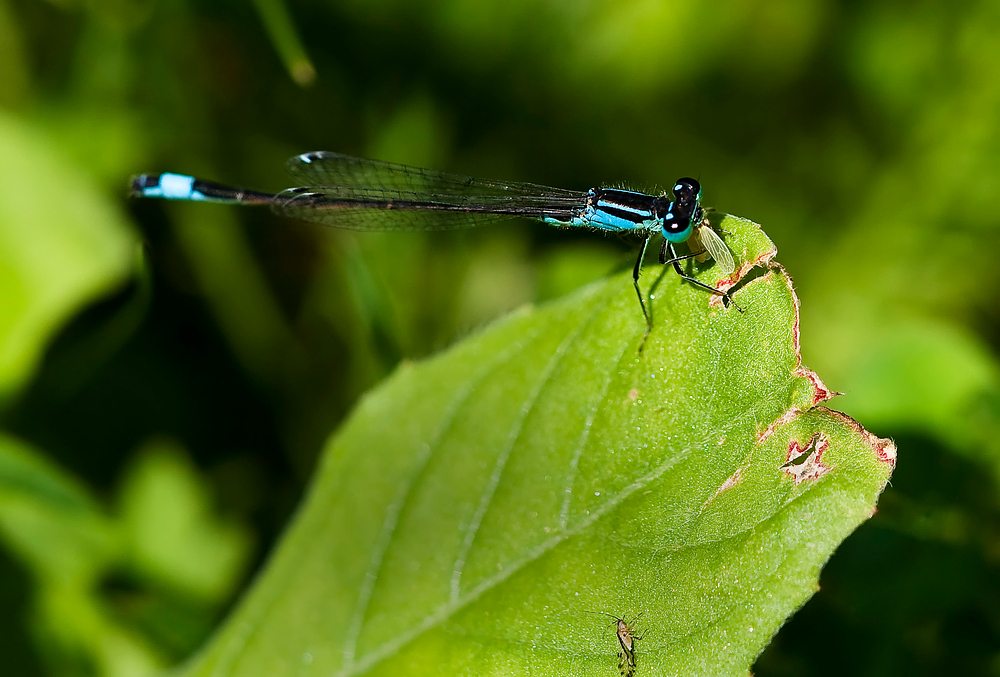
56 253
124 591
864 136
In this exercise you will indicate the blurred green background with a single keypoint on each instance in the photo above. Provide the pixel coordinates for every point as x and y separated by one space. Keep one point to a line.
169 372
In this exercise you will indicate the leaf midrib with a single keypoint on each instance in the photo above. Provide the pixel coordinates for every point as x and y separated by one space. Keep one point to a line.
392 646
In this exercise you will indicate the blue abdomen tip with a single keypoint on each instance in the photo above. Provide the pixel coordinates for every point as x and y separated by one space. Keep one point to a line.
166 186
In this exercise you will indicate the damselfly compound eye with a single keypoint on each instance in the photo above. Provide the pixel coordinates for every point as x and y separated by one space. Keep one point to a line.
686 190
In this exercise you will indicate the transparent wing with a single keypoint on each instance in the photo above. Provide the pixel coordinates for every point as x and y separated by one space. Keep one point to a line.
323 168
360 194
714 245
382 209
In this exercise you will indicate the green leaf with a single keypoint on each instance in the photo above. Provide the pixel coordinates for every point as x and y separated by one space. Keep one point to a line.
51 523
479 509
174 536
57 251
49 519
180 558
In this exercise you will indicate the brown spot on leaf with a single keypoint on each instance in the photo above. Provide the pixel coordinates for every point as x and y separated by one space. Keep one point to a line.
805 462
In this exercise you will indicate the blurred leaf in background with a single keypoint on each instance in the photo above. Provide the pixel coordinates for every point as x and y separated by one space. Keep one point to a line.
57 254
125 594
864 136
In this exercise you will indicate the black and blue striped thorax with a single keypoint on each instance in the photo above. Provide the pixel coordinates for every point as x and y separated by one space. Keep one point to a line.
618 210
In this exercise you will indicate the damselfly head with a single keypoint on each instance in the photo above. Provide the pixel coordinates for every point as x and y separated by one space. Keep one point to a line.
687 191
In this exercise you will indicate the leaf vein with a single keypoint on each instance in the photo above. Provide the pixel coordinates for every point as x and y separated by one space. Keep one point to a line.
574 464
489 491
395 509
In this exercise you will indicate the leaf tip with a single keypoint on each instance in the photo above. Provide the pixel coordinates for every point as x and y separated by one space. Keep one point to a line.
883 447
821 393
